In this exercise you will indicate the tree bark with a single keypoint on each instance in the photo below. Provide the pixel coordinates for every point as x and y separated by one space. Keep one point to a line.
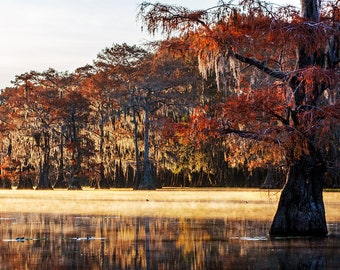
148 181
301 209
44 166
137 178
61 181
74 182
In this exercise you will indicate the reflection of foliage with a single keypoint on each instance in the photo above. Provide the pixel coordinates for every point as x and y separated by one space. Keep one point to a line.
215 219
191 241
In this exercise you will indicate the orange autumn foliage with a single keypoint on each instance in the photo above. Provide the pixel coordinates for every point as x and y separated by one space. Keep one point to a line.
283 110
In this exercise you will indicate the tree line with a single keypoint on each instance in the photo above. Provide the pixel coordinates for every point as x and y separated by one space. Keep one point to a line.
110 124
210 107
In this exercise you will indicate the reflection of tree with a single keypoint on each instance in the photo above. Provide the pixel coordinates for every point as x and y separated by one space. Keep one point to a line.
300 253
147 242
153 243
136 243
143 256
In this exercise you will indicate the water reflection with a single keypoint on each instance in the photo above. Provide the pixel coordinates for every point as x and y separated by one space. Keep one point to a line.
307 254
48 241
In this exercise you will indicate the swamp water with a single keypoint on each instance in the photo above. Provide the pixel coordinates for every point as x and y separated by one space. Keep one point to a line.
155 230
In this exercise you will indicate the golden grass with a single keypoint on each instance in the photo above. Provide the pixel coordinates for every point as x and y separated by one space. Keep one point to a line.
191 203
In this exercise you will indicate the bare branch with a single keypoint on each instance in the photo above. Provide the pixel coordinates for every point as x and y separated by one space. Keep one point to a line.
260 65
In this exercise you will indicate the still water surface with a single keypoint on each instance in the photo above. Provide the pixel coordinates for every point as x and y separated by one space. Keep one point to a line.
167 229
55 241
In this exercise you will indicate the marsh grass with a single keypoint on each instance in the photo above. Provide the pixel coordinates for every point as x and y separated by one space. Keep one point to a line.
167 202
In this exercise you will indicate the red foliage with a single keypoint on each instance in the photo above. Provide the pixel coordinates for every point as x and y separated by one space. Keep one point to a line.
196 129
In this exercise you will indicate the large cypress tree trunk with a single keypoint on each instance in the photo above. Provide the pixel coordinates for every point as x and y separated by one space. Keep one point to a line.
301 209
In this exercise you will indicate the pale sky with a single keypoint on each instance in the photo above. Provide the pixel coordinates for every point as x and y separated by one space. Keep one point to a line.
67 34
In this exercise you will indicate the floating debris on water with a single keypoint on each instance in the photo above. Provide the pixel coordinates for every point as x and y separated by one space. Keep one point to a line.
23 239
20 239
247 238
88 238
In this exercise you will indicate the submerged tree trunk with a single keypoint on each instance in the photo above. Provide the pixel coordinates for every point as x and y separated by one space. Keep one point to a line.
301 209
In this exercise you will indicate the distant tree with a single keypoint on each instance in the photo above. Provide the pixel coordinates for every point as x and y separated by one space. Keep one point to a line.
162 80
50 108
144 84
6 127
119 64
287 109
34 105
60 82
96 86
78 144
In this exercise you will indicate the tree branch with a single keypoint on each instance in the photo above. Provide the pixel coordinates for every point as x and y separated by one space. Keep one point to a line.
260 65
279 117
242 134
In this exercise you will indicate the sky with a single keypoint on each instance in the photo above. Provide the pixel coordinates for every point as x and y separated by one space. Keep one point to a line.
67 34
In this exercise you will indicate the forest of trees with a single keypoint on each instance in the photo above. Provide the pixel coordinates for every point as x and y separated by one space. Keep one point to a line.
116 123
235 95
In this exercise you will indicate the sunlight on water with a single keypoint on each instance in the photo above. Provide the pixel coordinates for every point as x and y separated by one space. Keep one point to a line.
205 203
164 229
